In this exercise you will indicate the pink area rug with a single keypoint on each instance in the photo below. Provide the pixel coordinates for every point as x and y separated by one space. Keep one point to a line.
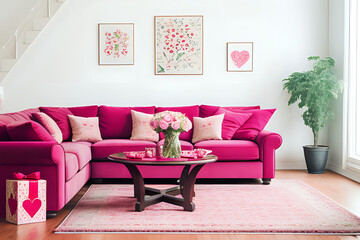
281 207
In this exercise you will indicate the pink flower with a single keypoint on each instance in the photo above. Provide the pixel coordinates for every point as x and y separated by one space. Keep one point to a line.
163 124
155 124
187 125
175 125
168 118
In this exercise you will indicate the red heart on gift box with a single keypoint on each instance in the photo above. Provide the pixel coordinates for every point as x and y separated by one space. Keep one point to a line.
32 207
12 204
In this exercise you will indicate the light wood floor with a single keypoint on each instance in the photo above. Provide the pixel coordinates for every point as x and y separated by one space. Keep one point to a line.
344 191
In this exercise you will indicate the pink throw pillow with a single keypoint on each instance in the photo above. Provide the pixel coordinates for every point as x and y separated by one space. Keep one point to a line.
28 131
60 116
85 129
232 122
49 124
254 124
207 128
141 128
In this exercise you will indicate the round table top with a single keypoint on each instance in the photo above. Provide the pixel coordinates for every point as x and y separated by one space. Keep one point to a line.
121 158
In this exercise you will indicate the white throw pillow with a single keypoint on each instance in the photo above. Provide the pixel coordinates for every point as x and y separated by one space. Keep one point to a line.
141 128
207 128
85 128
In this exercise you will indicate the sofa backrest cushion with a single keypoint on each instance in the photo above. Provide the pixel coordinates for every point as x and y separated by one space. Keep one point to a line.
189 111
13 117
208 110
28 130
60 116
116 122
84 111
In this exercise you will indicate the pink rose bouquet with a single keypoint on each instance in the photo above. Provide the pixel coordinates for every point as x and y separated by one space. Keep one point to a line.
171 124
170 121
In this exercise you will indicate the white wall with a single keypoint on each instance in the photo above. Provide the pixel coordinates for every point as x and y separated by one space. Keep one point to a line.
336 50
60 68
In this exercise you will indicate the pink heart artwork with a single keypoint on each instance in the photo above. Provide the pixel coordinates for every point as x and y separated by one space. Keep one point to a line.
12 204
32 207
240 58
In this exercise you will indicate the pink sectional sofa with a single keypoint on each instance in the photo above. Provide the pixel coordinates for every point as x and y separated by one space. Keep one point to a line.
69 165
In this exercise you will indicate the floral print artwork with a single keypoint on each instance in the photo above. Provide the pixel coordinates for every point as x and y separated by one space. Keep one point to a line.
178 45
239 56
116 43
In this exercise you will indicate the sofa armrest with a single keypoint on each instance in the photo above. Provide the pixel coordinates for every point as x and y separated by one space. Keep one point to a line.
46 157
31 153
268 142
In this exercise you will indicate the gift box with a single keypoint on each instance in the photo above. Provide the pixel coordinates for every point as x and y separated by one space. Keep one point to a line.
25 201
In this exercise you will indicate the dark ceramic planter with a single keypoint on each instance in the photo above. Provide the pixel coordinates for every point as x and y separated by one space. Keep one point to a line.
316 158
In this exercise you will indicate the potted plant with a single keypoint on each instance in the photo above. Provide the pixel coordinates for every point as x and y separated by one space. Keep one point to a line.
315 89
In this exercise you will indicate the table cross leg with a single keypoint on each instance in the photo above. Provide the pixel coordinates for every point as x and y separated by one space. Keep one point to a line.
187 182
139 187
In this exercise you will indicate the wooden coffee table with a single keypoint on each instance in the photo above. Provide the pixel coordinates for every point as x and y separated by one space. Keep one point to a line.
147 196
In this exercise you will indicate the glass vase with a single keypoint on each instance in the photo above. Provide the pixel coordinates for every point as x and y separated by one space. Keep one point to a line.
171 148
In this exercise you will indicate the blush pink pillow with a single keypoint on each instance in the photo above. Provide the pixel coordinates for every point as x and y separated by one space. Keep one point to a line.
207 128
254 124
85 129
232 122
28 131
60 116
141 129
49 124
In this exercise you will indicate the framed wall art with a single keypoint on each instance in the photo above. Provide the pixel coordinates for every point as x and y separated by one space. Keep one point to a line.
116 43
178 45
239 56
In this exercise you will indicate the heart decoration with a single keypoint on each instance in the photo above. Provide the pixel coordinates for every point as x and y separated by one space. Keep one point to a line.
240 58
12 204
32 207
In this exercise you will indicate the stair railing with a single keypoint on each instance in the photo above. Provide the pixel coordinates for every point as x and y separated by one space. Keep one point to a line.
10 49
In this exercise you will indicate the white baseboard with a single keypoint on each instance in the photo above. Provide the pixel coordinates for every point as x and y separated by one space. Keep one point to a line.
347 173
290 165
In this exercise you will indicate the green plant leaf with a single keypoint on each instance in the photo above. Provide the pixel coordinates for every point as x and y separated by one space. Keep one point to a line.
313 90
116 47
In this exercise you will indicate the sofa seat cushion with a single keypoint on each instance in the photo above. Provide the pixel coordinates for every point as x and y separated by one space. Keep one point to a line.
102 149
185 145
231 150
81 151
71 165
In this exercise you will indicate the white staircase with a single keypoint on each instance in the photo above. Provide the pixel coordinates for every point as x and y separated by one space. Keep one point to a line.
26 33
